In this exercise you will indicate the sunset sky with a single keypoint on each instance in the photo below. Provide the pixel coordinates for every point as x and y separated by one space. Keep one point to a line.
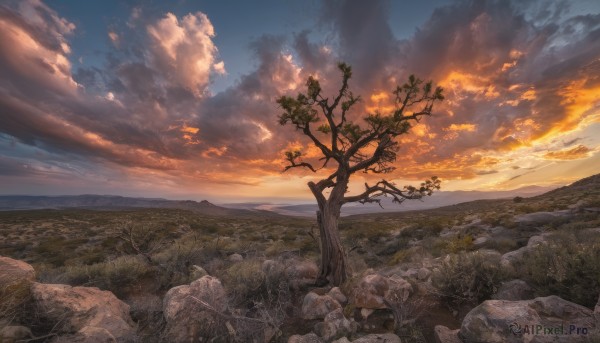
176 99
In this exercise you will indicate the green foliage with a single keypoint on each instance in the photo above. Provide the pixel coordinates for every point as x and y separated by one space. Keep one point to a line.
468 278
565 268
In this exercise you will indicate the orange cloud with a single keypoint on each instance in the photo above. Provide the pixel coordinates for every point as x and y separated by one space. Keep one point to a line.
461 127
578 152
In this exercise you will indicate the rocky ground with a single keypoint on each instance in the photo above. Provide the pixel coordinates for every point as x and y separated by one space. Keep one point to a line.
516 270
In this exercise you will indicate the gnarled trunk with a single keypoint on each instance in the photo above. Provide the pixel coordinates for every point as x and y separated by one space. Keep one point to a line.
333 257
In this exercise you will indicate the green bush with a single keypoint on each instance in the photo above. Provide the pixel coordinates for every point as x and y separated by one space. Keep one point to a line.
468 278
566 269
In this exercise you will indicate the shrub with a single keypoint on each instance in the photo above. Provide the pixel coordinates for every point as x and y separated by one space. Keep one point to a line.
115 275
468 278
14 295
244 279
567 269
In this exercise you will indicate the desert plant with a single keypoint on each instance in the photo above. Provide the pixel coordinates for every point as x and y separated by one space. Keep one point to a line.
468 278
565 268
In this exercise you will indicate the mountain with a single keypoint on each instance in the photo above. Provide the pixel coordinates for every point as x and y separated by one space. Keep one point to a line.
91 201
439 199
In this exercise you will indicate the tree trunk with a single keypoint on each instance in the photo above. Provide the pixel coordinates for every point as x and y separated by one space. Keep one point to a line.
333 258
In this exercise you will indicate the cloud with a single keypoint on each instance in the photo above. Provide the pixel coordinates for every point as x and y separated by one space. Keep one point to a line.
183 50
575 153
516 77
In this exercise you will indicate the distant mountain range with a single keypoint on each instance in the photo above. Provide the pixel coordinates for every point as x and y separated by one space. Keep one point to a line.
439 199
105 202
108 202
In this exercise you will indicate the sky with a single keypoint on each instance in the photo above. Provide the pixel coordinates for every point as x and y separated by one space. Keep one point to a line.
177 99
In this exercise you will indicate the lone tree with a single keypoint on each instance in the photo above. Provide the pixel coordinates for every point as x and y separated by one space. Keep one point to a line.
370 148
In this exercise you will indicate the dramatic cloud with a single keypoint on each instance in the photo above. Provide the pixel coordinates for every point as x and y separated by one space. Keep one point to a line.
184 51
522 86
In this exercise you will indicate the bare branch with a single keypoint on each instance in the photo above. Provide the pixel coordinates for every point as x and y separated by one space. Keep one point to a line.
386 188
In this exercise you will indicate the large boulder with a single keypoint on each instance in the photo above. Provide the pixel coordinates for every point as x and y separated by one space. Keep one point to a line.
72 309
15 271
191 311
545 319
373 290
444 335
514 290
316 306
335 325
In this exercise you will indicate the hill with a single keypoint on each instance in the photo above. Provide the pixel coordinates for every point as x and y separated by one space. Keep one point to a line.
111 202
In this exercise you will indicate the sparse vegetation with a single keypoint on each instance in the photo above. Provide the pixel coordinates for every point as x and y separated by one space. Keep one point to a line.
82 247
567 267
468 278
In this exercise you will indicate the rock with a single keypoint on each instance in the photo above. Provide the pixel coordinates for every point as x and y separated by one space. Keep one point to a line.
372 291
511 257
514 290
444 335
190 310
335 325
303 270
366 312
411 273
269 266
534 241
337 295
511 321
399 289
316 306
308 338
302 274
479 241
14 333
375 321
423 274
74 308
379 338
539 218
15 272
89 334
236 258
197 272
342 340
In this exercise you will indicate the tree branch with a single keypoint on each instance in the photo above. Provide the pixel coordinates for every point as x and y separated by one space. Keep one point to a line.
386 188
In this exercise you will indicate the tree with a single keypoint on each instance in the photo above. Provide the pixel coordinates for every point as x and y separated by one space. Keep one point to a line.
370 148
